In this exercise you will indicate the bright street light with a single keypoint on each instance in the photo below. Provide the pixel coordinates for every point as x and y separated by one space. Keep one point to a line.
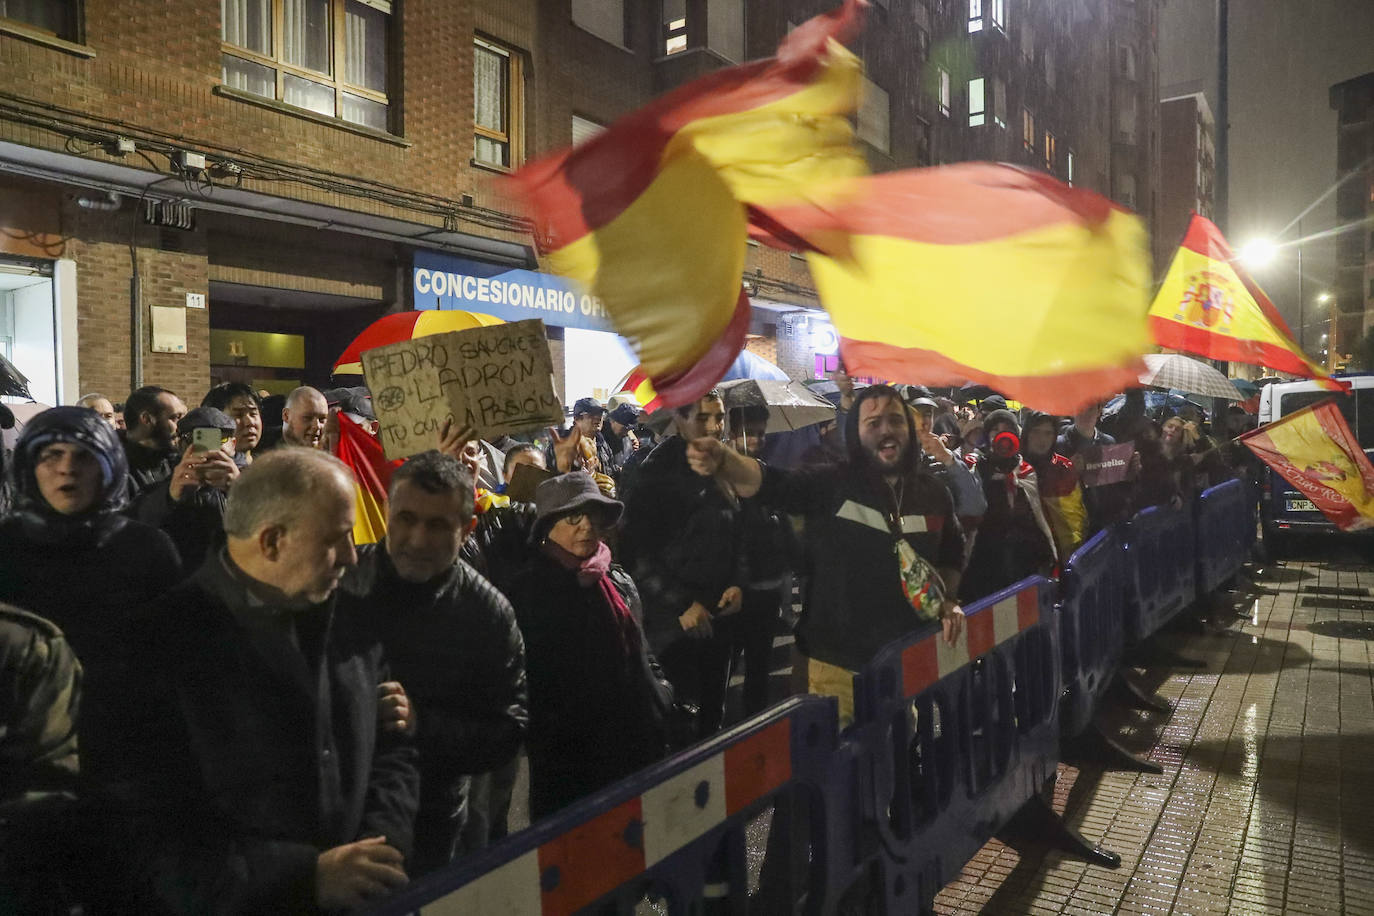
1258 252
1323 297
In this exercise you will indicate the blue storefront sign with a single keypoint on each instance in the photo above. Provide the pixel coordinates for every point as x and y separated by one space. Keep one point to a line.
446 282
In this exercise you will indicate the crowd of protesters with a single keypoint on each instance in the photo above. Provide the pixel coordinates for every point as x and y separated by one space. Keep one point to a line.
216 702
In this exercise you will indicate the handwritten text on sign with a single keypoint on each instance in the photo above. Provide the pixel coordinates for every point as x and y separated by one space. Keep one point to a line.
497 380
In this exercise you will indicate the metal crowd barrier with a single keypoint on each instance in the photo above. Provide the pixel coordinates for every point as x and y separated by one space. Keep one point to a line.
1092 625
951 746
1161 566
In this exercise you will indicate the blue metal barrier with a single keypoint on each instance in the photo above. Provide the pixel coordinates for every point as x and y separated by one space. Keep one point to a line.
668 830
1161 568
965 736
1092 625
1223 537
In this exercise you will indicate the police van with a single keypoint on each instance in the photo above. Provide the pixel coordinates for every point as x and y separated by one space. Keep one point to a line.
1283 510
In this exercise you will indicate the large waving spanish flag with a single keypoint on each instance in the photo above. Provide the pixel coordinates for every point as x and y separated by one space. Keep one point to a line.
650 214
1210 306
982 272
1315 450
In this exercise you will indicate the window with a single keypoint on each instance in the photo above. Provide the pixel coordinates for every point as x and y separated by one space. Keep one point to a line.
55 17
1027 130
1027 42
1049 151
326 56
1069 166
999 102
1125 61
724 31
944 91
922 142
498 110
583 130
674 26
875 116
991 14
977 113
603 18
922 42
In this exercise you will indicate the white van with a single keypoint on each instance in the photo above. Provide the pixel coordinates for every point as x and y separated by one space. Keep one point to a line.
1283 510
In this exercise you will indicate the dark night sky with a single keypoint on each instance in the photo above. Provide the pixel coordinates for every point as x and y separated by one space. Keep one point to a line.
1284 56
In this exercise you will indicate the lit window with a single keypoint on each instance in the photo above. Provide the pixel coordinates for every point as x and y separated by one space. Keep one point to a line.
998 12
57 18
674 26
976 103
497 106
1049 151
990 14
291 51
875 116
975 15
944 92
723 31
1069 166
1027 130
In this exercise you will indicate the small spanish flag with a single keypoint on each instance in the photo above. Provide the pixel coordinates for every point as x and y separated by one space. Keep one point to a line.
1315 450
371 477
1210 306
650 214
982 272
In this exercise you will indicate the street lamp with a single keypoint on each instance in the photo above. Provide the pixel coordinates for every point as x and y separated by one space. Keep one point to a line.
1258 252
1323 297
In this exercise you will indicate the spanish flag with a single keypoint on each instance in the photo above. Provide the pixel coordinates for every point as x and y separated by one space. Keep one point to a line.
983 272
1210 306
371 477
1315 450
650 214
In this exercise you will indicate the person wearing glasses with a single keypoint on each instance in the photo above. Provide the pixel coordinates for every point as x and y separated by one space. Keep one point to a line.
598 703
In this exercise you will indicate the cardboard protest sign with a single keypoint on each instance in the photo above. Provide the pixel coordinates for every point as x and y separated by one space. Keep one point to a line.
1105 464
497 380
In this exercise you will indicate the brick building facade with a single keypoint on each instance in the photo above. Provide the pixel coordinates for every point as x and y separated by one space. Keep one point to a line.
270 175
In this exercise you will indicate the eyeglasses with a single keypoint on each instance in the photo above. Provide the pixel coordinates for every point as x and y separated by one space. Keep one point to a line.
598 520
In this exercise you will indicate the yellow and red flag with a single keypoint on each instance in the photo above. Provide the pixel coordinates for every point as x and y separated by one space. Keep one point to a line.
650 214
980 272
1315 450
1209 305
371 477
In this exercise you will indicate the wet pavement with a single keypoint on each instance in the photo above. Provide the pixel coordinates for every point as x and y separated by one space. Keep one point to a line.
1266 803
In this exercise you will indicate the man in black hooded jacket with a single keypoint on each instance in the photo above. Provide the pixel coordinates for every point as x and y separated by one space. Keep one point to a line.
883 546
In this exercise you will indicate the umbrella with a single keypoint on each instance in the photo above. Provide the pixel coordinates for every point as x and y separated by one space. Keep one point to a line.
1170 370
1155 402
790 404
390 329
1247 388
13 383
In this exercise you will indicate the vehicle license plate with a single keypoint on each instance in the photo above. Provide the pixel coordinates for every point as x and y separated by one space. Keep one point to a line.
1300 505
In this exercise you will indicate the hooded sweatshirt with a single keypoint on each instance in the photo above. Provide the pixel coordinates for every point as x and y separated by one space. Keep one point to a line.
854 602
86 573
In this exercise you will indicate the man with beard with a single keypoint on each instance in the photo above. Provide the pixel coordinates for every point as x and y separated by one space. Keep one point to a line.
450 639
151 415
883 545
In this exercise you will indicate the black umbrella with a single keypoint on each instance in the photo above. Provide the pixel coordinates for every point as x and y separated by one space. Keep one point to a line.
13 383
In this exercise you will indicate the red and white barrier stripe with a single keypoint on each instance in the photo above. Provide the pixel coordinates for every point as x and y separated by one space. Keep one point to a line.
590 860
932 658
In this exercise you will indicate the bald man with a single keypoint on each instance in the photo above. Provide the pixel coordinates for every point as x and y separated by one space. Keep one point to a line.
304 417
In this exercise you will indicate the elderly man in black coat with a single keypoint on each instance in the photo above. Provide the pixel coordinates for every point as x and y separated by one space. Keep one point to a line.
255 773
452 642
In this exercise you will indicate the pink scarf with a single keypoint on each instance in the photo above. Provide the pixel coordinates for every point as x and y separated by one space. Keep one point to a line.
595 570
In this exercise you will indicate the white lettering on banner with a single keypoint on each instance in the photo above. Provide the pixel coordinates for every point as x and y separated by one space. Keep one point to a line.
507 292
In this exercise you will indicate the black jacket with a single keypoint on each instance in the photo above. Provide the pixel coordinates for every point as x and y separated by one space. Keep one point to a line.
854 603
500 544
682 541
454 645
147 465
597 713
243 757
195 523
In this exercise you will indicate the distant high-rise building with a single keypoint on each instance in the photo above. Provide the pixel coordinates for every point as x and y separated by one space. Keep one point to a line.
1352 309
1187 169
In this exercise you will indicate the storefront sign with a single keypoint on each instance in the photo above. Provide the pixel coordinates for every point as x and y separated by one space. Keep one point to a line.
445 282
497 380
